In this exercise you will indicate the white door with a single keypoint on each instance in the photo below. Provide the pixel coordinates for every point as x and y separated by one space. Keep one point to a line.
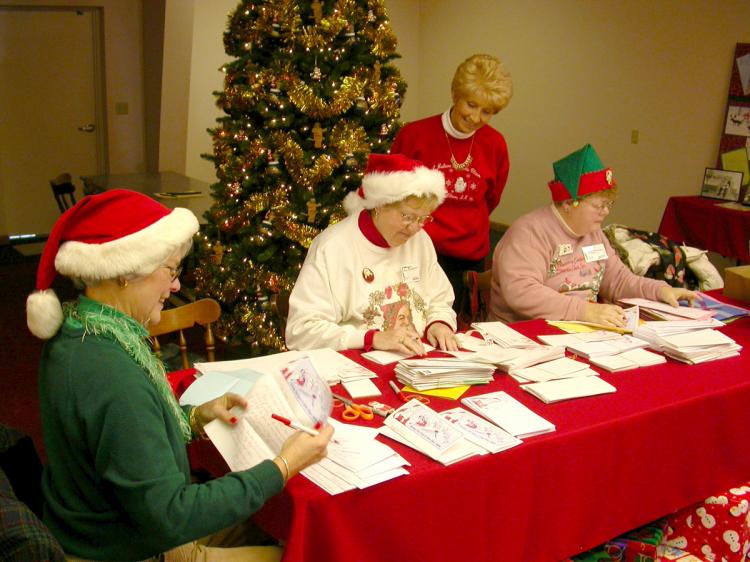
51 110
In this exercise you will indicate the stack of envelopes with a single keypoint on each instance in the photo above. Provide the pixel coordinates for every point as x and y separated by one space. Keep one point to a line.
442 372
689 341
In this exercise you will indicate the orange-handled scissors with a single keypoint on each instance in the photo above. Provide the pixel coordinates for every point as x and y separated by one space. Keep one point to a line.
353 411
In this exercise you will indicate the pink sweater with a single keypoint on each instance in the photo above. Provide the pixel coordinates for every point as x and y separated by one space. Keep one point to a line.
539 271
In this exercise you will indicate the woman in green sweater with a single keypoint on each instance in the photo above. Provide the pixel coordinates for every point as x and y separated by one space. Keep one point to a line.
117 483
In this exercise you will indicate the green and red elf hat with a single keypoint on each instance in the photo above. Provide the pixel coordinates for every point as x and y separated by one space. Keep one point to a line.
579 174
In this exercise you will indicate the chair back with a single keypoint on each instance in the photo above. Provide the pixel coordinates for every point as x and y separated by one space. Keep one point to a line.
280 305
203 312
63 190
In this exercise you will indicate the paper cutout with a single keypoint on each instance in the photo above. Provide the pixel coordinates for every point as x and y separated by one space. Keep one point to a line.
736 160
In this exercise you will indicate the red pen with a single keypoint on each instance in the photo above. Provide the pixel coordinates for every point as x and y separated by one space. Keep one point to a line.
398 392
294 425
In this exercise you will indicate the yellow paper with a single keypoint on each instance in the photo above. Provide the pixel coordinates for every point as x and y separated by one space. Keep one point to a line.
575 327
453 393
736 160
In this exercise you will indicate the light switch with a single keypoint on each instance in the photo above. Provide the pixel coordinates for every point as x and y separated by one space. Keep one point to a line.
634 136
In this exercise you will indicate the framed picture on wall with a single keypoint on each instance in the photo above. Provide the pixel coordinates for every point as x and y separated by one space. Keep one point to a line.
722 184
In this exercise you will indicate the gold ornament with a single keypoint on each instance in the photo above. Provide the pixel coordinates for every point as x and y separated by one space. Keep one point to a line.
376 73
312 210
317 11
317 131
218 253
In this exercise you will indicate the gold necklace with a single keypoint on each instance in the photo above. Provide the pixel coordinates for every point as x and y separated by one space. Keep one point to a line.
466 163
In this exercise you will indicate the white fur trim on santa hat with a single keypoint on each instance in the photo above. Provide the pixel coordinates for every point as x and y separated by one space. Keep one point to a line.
44 314
139 253
384 188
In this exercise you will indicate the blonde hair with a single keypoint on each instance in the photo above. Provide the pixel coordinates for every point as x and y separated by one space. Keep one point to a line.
483 76
428 200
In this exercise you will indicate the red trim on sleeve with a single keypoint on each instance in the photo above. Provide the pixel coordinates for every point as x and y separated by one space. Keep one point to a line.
369 338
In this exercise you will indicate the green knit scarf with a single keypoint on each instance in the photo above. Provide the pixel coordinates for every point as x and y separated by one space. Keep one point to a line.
105 321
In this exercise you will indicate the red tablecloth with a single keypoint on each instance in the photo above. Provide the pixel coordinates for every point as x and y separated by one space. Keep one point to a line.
671 435
700 222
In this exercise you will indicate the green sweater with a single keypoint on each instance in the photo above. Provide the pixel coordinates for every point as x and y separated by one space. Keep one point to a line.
117 481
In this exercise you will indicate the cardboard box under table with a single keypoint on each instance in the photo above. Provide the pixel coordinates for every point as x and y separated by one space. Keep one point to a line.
737 282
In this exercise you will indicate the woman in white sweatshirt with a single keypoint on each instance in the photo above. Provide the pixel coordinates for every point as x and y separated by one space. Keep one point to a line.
372 281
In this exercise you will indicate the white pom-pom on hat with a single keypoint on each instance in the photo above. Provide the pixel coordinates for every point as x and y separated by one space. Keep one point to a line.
44 314
390 178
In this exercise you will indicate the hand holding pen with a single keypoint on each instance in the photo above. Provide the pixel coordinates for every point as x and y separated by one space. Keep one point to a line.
304 448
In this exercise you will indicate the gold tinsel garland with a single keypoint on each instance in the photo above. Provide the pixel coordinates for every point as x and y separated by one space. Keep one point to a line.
307 102
347 138
303 234
306 176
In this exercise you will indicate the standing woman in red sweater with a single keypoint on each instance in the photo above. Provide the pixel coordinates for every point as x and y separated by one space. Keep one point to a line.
474 160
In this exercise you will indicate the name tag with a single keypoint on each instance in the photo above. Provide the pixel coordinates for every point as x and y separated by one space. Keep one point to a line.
564 250
595 252
410 274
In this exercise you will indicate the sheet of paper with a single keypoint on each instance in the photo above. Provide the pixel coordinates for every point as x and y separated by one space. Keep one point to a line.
736 160
361 388
480 431
503 335
424 428
215 384
334 366
508 413
682 311
453 393
557 369
566 389
388 357
264 364
239 445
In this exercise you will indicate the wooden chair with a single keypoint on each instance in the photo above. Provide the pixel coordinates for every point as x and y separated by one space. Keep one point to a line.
63 190
203 312
280 305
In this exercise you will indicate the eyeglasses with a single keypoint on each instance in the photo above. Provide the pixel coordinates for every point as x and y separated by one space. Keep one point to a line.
602 205
174 271
408 219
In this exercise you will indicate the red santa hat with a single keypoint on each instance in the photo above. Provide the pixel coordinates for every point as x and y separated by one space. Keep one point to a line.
390 178
105 236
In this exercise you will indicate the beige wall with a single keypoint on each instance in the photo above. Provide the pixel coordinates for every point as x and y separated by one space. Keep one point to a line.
175 86
588 71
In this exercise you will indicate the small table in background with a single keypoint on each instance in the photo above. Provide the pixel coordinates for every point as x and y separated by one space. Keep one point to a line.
706 224
170 188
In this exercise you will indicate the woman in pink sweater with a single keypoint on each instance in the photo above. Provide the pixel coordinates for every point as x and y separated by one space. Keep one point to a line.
556 263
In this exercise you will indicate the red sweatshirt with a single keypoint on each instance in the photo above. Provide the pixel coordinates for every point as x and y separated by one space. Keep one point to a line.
462 223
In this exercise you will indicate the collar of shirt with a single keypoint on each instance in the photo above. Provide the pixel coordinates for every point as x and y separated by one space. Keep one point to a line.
450 129
367 226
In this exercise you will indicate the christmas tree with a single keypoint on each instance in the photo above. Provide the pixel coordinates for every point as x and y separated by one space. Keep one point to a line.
310 92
